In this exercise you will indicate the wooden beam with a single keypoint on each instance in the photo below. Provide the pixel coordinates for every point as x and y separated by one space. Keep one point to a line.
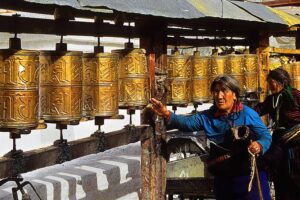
282 51
206 42
279 3
46 26
191 32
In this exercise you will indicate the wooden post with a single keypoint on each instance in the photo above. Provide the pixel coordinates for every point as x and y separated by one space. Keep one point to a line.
153 164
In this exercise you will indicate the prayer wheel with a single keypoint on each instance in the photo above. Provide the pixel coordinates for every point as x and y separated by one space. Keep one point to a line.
218 65
19 93
296 75
89 67
201 67
133 76
288 67
235 67
251 72
179 72
100 85
61 86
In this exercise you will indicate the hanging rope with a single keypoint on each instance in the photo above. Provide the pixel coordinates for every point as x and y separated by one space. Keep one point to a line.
254 172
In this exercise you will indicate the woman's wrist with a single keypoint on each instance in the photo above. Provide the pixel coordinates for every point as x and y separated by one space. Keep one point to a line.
167 115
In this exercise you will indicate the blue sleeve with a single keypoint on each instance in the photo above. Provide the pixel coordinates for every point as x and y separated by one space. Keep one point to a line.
185 123
260 130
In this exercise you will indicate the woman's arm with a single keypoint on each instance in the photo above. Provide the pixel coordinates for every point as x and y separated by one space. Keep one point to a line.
184 123
262 133
263 107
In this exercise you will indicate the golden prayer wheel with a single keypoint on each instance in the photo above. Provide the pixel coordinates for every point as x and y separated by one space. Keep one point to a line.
179 72
251 63
89 67
296 83
19 94
251 72
235 64
200 89
288 68
100 84
61 86
296 74
218 65
201 67
179 90
179 66
107 99
133 76
235 67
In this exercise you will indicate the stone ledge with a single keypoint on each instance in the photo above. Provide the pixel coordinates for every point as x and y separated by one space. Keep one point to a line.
113 174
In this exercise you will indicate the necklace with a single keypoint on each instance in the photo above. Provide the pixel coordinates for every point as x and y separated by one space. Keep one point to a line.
277 101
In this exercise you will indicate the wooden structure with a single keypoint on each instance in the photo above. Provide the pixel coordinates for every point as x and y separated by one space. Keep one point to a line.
278 3
155 33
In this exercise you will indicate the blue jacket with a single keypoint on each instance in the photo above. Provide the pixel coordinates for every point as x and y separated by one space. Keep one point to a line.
218 130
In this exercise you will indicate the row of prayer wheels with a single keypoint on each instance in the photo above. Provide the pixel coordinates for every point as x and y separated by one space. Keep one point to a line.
189 77
64 86
294 71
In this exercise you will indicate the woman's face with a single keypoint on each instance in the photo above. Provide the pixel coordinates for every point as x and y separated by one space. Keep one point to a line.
274 86
224 98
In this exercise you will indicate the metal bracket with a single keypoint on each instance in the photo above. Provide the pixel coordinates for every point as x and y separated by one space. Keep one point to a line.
64 152
20 187
101 140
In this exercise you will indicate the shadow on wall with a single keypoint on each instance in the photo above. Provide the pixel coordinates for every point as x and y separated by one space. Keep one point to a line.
113 174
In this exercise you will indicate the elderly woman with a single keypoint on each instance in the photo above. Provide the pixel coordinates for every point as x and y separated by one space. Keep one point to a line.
233 129
283 106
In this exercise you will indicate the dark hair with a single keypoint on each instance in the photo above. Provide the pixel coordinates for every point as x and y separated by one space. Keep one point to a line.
282 76
228 81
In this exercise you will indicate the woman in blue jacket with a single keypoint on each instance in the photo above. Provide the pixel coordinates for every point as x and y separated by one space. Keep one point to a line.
234 130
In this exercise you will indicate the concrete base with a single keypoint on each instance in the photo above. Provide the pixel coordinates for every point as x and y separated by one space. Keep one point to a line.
113 174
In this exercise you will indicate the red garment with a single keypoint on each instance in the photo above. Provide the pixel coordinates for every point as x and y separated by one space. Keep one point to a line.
235 109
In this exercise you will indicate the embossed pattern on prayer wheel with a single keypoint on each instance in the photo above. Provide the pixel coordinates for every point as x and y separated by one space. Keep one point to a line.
200 90
296 83
251 72
201 67
89 67
61 86
107 84
179 66
251 82
133 76
179 72
296 74
179 90
100 80
19 93
218 65
288 68
235 68
235 64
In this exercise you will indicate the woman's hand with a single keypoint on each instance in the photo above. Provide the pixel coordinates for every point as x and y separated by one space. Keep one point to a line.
255 147
159 108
